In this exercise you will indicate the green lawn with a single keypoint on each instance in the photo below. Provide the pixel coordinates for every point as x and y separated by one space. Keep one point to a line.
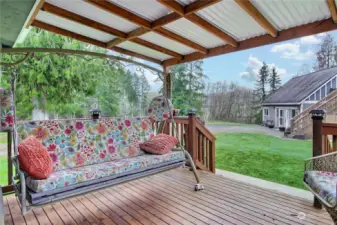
266 157
3 138
3 170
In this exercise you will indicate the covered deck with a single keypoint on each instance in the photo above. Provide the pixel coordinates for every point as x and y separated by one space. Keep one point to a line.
169 198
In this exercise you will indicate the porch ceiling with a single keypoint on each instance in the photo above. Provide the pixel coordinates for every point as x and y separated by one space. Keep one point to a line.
172 32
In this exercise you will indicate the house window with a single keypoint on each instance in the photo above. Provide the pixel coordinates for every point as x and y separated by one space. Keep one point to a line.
281 118
328 87
266 112
323 92
317 96
334 83
293 113
312 97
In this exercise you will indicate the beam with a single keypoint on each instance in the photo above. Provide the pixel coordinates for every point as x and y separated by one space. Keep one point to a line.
257 16
157 48
284 35
34 14
57 30
175 37
199 5
197 20
212 29
81 20
119 11
333 10
154 26
96 25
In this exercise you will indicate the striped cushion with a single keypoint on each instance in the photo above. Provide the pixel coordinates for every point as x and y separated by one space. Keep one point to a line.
160 144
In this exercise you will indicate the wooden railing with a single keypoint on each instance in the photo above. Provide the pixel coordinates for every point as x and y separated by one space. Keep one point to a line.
195 138
302 123
329 132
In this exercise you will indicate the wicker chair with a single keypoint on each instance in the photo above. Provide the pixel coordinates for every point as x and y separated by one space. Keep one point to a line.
320 178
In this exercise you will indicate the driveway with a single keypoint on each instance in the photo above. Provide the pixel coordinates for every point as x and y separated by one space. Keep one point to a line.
217 128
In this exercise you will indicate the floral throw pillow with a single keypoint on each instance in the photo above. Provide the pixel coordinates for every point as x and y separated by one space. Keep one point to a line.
34 158
160 144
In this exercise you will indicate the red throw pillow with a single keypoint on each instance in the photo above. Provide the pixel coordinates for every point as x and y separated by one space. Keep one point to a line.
160 144
34 158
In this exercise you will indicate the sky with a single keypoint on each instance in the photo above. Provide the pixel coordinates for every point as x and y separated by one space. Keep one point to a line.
242 67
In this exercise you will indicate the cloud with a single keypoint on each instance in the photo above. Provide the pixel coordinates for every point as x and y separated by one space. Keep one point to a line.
310 40
322 34
292 51
254 65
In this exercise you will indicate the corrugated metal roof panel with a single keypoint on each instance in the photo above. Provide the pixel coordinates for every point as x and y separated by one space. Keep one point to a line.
194 33
167 43
73 27
229 17
148 9
94 13
284 14
143 50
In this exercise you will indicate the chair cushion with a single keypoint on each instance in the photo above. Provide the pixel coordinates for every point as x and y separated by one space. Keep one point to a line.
34 158
64 178
323 183
160 144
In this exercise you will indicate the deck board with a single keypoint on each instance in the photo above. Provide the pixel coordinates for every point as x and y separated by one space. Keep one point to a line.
169 198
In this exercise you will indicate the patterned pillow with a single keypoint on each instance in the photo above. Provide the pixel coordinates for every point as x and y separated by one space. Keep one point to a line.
34 158
160 144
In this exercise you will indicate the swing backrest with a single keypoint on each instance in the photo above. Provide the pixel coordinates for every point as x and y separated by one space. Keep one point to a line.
79 142
160 109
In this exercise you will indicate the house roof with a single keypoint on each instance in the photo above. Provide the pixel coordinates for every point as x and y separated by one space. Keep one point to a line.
174 32
300 87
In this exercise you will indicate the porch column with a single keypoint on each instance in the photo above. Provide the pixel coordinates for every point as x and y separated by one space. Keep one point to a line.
167 87
317 139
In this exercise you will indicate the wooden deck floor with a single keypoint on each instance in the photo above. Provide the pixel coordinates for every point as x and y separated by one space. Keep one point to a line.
169 198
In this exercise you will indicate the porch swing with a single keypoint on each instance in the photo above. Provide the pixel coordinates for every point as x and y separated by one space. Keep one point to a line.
79 168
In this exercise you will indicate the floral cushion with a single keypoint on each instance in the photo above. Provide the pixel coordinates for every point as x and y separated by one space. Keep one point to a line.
75 143
60 179
7 110
323 183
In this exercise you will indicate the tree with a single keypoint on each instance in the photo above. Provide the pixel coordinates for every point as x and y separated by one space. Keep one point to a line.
62 86
188 84
274 81
144 91
261 83
326 54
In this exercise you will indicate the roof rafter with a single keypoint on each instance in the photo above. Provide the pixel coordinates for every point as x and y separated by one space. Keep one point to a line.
34 14
181 10
257 16
104 28
333 10
57 30
284 35
151 26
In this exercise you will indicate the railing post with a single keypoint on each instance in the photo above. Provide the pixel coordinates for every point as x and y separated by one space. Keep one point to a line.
317 139
192 135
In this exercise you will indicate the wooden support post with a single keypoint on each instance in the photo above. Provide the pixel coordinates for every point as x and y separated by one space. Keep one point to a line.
167 83
317 140
192 136
9 157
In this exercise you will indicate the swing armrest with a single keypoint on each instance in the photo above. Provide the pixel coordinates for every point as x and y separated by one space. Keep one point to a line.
327 162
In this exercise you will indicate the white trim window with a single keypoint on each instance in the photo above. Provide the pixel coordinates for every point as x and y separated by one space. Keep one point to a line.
265 112
281 117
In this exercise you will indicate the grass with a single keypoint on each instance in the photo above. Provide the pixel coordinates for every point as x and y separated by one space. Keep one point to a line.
229 123
3 170
266 157
3 138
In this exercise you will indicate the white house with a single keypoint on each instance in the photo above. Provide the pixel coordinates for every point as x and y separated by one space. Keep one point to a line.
298 94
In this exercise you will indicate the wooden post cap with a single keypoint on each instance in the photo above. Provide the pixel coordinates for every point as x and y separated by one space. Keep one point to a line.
317 114
191 112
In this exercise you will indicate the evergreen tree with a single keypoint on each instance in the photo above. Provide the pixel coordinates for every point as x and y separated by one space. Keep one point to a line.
144 90
274 81
261 82
188 84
